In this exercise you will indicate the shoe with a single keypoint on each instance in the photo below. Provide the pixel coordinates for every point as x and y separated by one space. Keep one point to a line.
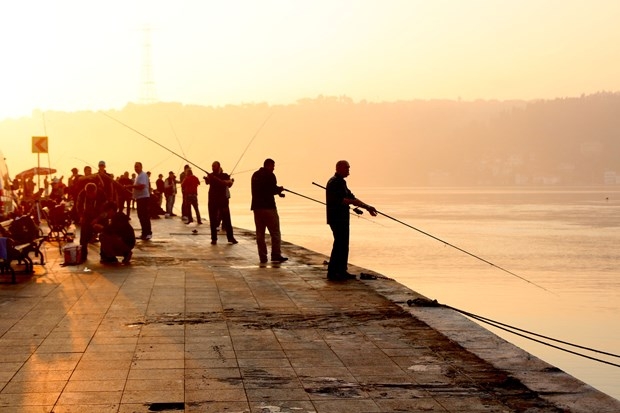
263 260
127 258
167 216
335 277
108 260
341 276
279 259
199 222
233 241
366 276
188 222
146 237
214 242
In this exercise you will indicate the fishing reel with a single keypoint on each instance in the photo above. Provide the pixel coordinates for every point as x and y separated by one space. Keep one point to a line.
358 211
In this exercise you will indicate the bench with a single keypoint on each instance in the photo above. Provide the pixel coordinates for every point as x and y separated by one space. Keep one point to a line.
21 237
19 253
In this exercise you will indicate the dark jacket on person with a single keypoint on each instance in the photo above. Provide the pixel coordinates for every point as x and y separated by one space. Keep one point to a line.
336 191
119 226
264 188
217 188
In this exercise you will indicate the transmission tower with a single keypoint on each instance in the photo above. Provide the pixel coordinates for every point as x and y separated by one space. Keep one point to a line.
147 93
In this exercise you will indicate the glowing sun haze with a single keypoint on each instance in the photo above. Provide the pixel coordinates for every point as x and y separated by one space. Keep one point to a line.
73 55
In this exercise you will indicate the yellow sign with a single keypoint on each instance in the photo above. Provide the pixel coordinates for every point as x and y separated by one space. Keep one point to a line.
39 144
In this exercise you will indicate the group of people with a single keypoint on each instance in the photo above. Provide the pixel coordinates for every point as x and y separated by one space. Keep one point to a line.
99 201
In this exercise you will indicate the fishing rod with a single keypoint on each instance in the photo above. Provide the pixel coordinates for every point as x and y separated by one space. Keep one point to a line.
453 246
357 211
249 143
155 142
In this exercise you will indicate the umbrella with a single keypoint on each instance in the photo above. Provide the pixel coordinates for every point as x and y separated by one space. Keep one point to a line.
30 173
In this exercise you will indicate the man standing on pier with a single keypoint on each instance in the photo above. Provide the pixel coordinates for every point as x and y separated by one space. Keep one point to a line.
338 198
219 210
142 196
264 188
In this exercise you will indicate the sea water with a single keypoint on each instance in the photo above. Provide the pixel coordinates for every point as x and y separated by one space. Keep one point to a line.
545 260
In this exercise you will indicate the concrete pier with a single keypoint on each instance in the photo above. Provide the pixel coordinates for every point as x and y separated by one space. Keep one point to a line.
195 327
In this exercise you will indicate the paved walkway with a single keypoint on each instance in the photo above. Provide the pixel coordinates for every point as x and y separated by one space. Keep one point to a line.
200 328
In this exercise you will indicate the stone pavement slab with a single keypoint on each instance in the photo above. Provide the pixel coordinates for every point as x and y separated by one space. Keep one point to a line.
195 327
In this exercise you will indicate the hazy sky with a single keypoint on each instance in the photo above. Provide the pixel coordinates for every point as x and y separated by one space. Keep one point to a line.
84 54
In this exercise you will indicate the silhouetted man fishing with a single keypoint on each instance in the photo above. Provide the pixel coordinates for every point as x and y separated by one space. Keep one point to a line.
264 188
338 198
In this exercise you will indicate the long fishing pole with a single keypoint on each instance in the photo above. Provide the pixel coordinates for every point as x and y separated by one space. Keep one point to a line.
357 211
155 142
454 246
250 142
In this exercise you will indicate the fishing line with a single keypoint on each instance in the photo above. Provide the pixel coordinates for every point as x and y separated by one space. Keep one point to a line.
249 143
455 247
518 331
154 141
176 137
245 171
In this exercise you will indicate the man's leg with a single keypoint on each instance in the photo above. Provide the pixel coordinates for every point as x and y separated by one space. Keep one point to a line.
259 222
86 233
340 250
198 218
273 225
142 206
227 224
213 213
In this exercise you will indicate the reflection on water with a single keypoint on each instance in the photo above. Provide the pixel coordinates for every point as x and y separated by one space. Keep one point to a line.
563 240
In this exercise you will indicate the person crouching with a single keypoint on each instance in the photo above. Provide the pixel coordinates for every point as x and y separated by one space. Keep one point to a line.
117 236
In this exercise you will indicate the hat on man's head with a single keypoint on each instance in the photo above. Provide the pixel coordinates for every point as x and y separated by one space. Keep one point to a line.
101 163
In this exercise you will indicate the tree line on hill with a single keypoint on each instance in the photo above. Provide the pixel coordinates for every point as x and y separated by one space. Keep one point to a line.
564 141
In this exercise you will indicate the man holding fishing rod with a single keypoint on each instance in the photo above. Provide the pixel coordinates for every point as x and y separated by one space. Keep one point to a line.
264 188
219 210
338 198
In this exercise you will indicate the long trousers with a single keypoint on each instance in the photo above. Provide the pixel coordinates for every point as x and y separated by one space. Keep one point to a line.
340 249
142 205
270 220
217 213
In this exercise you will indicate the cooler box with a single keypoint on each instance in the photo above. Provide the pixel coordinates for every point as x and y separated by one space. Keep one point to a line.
72 253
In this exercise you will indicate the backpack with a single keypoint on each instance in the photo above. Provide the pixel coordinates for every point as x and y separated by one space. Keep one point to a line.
23 230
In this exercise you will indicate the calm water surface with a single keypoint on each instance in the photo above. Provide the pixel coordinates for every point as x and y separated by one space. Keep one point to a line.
565 242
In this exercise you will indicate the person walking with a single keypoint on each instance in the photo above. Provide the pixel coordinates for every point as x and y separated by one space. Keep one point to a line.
142 196
190 189
219 210
337 199
264 188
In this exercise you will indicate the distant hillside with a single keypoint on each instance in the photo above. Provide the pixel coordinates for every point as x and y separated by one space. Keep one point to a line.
570 141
